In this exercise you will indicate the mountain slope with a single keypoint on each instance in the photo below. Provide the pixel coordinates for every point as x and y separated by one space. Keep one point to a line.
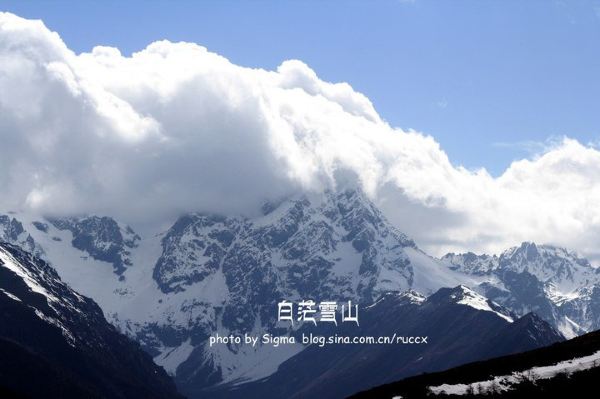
565 369
461 326
58 339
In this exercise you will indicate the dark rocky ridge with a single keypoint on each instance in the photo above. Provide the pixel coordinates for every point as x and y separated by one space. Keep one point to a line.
457 333
55 343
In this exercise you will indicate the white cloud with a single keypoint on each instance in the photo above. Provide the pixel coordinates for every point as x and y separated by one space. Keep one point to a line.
177 128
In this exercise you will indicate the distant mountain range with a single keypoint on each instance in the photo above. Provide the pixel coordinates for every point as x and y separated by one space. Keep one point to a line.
561 287
171 289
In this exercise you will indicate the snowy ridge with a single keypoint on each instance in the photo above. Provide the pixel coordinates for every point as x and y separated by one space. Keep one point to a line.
9 262
470 298
61 333
62 304
409 296
563 269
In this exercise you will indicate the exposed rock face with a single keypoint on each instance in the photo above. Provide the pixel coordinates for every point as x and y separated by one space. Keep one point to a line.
100 237
12 231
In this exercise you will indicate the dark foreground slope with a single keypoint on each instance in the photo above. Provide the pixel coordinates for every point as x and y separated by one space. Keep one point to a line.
570 369
457 333
55 343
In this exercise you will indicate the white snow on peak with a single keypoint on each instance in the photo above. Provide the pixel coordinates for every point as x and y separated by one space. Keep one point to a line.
476 301
412 296
564 270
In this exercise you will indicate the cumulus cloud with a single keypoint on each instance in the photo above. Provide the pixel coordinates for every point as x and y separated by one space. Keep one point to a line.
175 128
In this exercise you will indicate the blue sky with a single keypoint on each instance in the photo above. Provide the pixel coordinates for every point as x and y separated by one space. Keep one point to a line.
490 80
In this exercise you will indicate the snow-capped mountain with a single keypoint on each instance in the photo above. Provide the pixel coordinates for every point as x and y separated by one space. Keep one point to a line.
553 282
233 271
551 265
172 288
59 343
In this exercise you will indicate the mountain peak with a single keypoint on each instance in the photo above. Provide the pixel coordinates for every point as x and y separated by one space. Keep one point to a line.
562 268
530 251
460 293
403 297
463 295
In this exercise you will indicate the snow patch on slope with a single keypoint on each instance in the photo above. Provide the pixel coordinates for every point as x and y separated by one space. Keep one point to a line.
509 382
476 301
246 363
11 296
171 358
430 274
